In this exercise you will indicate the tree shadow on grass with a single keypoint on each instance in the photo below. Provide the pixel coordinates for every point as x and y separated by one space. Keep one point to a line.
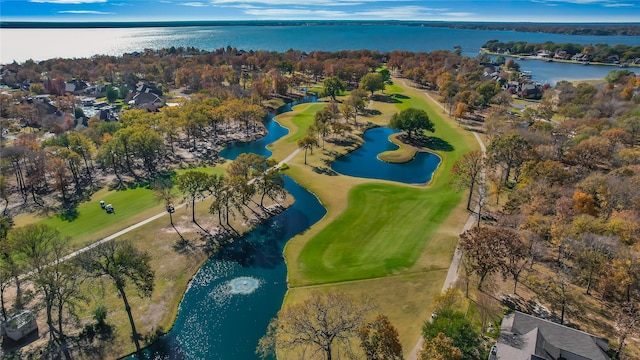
371 112
69 213
385 99
429 142
324 171
436 143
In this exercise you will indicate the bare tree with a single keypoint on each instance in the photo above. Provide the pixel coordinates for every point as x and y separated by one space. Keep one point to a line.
318 324
627 318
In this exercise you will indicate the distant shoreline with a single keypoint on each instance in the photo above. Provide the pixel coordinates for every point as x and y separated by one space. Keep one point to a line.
566 61
594 29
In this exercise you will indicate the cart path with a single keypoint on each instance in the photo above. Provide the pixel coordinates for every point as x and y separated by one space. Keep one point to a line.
141 223
452 274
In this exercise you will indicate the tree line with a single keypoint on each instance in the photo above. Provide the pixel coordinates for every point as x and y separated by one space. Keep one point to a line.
560 191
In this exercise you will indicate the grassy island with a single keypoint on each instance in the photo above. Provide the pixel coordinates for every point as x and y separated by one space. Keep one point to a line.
404 153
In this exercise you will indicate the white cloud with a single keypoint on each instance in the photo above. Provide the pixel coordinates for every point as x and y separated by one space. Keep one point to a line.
606 3
194 4
400 13
296 13
619 5
459 14
72 2
85 12
298 2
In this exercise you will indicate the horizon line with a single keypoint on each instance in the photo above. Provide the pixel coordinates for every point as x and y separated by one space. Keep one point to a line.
144 23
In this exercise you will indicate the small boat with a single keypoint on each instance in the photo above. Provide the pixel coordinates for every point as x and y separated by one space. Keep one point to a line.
586 63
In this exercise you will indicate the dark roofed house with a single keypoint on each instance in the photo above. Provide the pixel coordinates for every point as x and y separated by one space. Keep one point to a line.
561 54
525 337
149 101
148 88
530 91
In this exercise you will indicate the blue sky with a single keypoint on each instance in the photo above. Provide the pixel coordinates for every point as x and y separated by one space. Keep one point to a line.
428 10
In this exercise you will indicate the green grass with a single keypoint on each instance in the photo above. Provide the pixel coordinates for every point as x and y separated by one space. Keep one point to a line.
92 223
386 228
91 219
403 154
302 118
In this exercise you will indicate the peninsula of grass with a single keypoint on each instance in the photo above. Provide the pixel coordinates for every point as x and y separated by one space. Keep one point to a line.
403 154
301 118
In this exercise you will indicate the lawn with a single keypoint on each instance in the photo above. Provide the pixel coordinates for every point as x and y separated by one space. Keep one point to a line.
93 223
383 231
403 154
386 227
301 117
389 240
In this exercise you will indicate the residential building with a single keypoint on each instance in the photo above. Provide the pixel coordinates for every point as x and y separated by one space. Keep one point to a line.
526 337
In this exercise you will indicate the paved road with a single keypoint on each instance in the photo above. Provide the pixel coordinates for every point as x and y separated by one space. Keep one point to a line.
452 274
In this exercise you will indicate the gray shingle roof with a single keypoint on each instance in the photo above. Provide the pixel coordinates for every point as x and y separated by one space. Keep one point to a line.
521 333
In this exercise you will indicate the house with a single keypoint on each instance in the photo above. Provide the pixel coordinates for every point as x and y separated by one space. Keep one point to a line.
580 57
148 88
149 101
530 91
74 86
146 96
95 90
613 59
543 54
561 54
526 337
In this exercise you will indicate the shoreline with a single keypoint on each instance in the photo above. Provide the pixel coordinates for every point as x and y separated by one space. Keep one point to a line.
563 61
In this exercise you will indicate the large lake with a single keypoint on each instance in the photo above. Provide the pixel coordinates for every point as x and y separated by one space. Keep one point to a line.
74 43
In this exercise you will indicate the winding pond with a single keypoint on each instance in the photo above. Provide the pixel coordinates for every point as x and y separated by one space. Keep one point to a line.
364 162
231 299
229 302
274 132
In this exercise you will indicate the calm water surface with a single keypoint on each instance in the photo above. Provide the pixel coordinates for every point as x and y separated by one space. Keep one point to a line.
233 296
69 43
76 43
364 162
231 299
274 132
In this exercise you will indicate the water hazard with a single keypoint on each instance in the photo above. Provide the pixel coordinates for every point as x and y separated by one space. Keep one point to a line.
364 161
231 299
233 296
274 132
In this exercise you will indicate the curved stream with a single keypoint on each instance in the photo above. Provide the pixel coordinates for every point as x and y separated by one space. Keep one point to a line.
229 302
